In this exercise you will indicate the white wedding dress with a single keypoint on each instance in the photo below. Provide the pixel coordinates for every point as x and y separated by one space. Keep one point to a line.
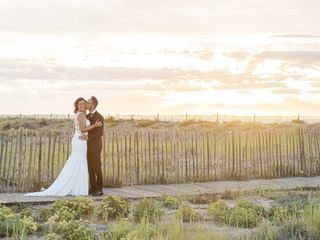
74 177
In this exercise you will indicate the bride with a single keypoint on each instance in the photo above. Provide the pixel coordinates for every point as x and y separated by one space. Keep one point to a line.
73 178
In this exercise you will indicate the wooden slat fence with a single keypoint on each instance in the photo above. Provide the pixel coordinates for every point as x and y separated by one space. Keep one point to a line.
30 160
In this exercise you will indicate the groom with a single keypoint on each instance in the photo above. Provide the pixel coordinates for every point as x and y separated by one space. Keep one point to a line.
94 148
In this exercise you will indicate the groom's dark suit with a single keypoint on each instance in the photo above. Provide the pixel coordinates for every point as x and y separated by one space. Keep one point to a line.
94 152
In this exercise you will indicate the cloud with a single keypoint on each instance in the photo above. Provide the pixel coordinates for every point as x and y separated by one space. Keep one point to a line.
174 17
54 75
250 86
311 58
134 54
204 54
285 91
296 36
289 105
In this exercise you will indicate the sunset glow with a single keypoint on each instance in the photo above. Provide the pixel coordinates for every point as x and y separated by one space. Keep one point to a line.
172 57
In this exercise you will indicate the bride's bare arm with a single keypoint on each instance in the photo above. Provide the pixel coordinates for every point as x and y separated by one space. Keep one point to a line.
82 123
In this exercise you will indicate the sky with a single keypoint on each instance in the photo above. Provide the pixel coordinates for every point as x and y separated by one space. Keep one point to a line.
238 57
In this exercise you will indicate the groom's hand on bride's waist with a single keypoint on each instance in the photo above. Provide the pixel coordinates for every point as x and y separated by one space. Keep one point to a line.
83 137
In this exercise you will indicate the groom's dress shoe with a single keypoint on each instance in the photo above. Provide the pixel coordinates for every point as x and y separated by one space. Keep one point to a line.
97 193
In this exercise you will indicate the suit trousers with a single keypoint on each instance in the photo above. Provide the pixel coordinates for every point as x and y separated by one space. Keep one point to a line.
94 164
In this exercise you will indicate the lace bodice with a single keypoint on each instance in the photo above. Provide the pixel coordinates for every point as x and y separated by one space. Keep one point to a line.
76 124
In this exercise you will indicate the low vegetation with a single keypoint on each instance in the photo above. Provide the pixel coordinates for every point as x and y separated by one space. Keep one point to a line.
16 225
171 202
149 210
188 214
251 215
132 124
113 207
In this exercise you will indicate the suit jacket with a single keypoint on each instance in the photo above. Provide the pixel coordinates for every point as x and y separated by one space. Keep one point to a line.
95 133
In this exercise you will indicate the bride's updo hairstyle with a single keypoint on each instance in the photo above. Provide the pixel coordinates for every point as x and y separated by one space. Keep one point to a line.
77 102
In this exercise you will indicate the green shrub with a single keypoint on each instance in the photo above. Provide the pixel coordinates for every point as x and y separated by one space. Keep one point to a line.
42 214
311 220
189 122
201 233
113 207
244 214
144 231
25 212
289 218
298 121
242 217
230 194
144 123
267 232
292 228
53 236
171 202
188 214
7 217
293 201
205 198
6 214
151 210
278 214
70 230
250 206
29 223
232 124
133 235
6 126
44 122
64 214
118 231
72 209
174 229
12 225
219 211
109 119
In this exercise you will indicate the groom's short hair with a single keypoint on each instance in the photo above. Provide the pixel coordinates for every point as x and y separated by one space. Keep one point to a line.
94 101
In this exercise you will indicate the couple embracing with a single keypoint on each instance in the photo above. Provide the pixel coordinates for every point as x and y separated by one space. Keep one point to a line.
84 162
